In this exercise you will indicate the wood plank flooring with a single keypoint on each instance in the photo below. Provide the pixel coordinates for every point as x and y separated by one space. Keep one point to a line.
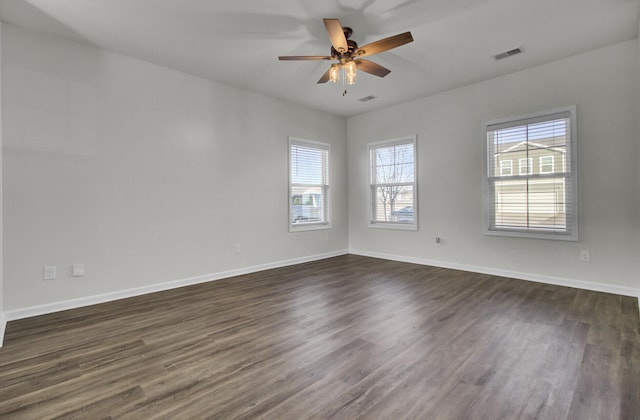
343 338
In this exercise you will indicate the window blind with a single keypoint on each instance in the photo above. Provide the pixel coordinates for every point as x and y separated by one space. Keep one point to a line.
308 183
393 182
539 196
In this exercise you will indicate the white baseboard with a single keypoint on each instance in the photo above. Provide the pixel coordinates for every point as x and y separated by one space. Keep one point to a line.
3 326
558 281
121 294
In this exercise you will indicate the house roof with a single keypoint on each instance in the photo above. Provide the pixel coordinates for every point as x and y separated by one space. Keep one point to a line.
547 144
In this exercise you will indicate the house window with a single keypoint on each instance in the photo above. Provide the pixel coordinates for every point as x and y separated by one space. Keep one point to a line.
546 164
525 166
393 187
506 167
308 185
539 205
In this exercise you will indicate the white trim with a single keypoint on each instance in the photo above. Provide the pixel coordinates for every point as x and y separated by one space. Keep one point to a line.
413 140
326 187
528 166
540 164
565 112
3 327
107 297
395 225
558 281
503 167
122 294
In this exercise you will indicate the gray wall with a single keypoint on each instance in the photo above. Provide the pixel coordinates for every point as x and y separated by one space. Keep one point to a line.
450 172
148 175
145 174
2 319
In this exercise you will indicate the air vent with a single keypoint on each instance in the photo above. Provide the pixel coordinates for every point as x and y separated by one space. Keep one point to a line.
509 53
367 98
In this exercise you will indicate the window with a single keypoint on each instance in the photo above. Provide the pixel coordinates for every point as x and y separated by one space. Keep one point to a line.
525 166
506 167
546 164
393 184
308 185
542 204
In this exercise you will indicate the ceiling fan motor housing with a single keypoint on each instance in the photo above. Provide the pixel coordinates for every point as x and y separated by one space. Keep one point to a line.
352 46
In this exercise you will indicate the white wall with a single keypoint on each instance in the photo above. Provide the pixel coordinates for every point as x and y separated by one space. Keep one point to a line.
603 84
144 174
2 318
148 175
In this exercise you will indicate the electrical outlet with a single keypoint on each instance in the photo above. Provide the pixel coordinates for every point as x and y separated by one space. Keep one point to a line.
49 272
236 248
585 256
77 270
437 240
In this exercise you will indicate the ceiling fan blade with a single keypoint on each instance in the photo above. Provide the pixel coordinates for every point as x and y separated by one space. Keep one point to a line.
384 44
372 68
304 57
325 77
336 35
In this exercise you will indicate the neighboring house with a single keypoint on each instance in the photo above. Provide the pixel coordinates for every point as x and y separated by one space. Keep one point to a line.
532 182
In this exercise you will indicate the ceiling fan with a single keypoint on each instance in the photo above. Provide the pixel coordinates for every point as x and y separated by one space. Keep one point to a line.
348 54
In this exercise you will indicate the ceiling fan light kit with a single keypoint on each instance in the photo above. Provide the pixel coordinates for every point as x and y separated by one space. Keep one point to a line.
348 54
334 73
349 70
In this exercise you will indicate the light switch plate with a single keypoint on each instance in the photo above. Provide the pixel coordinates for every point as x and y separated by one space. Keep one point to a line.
77 270
49 272
585 256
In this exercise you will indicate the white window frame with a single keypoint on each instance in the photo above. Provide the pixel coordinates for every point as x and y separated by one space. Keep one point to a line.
307 226
371 147
571 192
546 164
503 167
527 165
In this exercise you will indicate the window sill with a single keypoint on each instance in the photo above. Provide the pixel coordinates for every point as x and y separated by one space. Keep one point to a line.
532 235
394 226
308 227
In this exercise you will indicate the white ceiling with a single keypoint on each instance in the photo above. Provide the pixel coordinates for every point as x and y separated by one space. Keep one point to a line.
238 42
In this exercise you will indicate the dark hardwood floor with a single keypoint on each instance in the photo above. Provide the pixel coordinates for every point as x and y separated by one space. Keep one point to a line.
347 337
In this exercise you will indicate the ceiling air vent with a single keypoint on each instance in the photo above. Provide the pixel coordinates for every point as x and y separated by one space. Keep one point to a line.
506 54
367 98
